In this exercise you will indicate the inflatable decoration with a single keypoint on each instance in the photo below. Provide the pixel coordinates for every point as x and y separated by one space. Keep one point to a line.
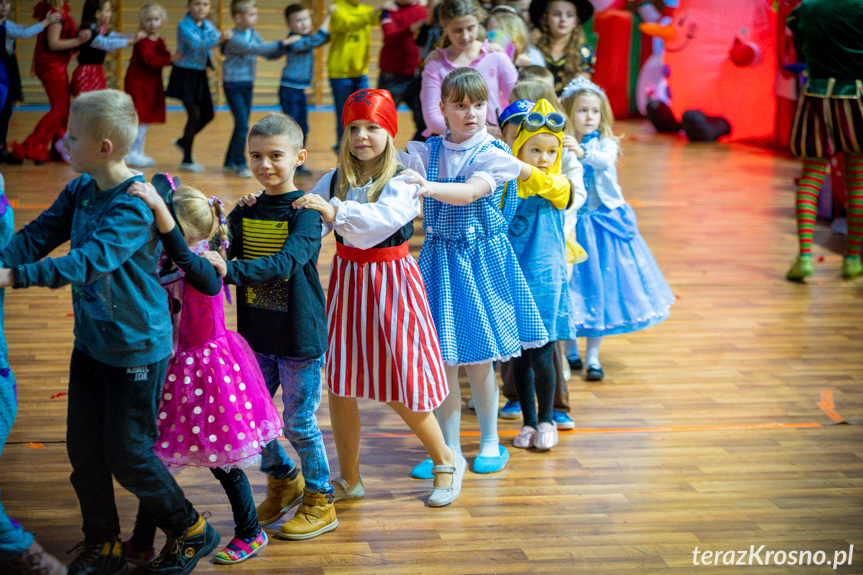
720 64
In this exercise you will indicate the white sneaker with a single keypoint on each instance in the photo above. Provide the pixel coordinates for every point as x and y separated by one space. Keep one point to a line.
139 161
546 436
191 167
243 173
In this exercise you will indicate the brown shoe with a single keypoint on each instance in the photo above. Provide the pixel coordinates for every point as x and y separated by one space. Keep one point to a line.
315 516
33 561
282 494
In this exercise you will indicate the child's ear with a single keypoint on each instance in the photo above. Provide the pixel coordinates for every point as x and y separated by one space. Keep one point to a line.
301 157
106 148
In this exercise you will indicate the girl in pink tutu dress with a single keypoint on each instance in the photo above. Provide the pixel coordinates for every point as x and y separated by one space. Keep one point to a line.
215 409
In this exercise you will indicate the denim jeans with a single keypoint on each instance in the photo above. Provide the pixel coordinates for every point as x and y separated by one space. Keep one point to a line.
300 379
293 103
406 89
342 88
111 430
239 96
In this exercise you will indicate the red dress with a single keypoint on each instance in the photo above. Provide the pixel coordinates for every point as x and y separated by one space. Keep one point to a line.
144 80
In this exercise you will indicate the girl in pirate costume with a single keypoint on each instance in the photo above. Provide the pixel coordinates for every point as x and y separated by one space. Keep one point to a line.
382 340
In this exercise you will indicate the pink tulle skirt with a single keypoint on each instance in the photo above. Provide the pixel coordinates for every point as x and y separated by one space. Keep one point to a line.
215 410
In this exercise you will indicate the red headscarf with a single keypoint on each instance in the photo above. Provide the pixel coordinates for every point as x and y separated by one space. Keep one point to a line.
373 105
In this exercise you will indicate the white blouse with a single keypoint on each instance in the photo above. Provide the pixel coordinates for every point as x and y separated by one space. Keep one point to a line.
495 166
363 225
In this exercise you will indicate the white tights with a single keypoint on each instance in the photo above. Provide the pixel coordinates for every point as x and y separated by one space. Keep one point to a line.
483 386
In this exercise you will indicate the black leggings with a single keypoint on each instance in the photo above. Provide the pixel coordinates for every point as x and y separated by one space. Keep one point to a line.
535 380
199 115
239 492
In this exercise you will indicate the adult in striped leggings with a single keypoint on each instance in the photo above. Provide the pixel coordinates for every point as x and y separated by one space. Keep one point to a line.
829 120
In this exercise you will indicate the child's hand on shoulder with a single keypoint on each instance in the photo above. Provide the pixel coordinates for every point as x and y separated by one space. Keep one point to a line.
413 177
573 146
7 278
332 8
84 35
248 200
138 37
318 203
52 18
389 6
217 261
176 56
146 192
226 35
292 39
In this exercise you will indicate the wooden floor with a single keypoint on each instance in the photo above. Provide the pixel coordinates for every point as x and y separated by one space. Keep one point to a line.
710 432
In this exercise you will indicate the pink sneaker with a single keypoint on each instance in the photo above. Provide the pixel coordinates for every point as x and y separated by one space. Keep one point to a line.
238 550
524 439
546 436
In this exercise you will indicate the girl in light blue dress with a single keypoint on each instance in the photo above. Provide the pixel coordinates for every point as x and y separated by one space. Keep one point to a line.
619 289
482 307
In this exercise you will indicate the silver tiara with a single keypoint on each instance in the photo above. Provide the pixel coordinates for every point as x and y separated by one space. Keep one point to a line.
578 84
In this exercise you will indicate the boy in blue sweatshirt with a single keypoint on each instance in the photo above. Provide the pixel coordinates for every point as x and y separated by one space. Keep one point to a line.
122 339
300 64
238 77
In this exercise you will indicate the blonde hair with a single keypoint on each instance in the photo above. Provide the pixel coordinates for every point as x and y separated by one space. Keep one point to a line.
350 170
515 27
277 125
108 114
152 7
606 116
461 83
197 215
536 73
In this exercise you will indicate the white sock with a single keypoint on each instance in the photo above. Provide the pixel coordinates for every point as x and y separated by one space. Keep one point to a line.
449 412
571 348
138 145
592 355
483 386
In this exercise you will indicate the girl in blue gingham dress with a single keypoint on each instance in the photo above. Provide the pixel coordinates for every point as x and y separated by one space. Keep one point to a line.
481 304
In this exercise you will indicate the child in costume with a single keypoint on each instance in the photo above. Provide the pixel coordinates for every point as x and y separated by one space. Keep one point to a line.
143 80
619 289
196 38
371 208
20 553
537 238
481 304
90 73
10 75
562 40
51 56
829 120
215 411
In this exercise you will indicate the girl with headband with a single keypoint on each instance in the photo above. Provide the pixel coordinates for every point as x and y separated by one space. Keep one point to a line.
382 339
215 409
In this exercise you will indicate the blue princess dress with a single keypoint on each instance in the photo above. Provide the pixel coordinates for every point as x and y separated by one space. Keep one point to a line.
619 289
481 304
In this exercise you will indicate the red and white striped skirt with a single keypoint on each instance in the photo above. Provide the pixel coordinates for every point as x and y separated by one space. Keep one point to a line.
88 78
382 341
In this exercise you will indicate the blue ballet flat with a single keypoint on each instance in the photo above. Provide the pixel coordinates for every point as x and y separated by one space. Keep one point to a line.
423 470
491 464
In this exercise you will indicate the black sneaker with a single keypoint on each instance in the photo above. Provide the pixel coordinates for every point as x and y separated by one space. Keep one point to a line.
180 554
99 559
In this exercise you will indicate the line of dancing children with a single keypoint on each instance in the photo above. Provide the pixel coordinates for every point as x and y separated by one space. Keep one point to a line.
482 265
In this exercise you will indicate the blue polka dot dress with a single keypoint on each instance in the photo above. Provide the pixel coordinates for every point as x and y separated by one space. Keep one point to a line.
481 304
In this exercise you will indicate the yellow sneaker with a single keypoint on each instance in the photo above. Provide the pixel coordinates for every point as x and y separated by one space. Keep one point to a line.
316 516
282 494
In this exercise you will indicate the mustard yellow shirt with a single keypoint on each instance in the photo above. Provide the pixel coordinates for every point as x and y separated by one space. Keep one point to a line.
350 39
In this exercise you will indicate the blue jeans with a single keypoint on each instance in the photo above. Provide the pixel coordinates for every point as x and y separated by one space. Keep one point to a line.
300 379
111 431
342 88
293 103
406 89
239 96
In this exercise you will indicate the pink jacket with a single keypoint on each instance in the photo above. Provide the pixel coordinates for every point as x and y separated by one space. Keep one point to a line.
497 69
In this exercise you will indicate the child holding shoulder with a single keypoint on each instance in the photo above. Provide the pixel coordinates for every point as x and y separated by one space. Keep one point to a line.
196 38
122 339
215 410
238 77
280 312
90 73
562 40
10 74
619 289
51 57
348 60
300 64
371 207
461 21
482 307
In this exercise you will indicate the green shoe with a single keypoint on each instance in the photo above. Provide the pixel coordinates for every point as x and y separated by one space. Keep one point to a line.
802 268
851 267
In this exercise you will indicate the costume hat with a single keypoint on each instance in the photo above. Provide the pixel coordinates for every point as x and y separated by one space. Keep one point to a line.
544 108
